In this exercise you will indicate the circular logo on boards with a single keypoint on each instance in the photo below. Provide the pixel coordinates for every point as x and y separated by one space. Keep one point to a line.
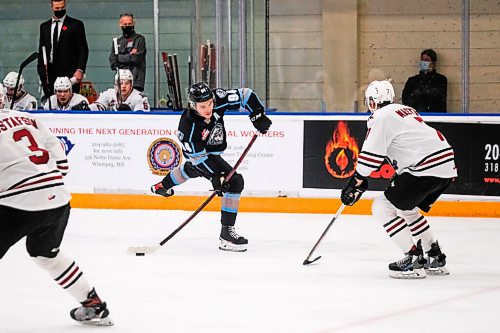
163 155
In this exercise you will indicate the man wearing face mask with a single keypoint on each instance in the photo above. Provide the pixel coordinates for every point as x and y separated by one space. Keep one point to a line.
62 49
129 51
426 92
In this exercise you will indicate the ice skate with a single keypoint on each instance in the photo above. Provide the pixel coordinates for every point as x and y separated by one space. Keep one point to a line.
436 261
411 266
92 312
160 190
231 241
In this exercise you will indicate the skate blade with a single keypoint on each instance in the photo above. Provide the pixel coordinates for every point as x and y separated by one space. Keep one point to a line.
415 274
98 322
438 271
228 246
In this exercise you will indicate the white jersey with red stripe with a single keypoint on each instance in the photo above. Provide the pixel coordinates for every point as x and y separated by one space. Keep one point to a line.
108 100
32 164
25 102
75 100
398 133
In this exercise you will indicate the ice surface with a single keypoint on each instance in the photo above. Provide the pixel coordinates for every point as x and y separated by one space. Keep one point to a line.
189 285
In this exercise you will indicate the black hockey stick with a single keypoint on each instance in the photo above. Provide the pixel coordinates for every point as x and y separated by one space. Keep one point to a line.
25 63
177 82
143 250
307 261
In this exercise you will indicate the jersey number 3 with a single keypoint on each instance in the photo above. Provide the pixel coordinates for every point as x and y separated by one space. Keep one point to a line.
41 155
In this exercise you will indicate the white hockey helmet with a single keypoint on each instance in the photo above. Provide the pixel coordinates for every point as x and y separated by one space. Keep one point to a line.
379 92
63 83
124 74
10 81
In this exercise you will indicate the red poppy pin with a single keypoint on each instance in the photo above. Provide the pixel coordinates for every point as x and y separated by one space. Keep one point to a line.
65 28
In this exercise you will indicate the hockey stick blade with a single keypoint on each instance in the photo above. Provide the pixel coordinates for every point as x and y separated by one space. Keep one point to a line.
307 262
138 250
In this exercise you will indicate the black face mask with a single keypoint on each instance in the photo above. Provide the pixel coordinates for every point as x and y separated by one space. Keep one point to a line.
128 30
59 13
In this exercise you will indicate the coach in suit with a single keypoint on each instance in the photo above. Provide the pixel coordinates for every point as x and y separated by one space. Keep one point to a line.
66 49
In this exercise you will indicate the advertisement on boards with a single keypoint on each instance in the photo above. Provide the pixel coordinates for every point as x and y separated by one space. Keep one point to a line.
127 154
331 149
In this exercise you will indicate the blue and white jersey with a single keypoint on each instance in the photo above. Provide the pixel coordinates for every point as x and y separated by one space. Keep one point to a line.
202 137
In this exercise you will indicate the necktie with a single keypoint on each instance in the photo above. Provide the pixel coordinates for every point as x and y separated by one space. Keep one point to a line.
54 38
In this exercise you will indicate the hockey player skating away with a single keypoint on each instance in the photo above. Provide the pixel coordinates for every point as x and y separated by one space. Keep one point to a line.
123 97
425 167
203 136
23 100
64 97
34 203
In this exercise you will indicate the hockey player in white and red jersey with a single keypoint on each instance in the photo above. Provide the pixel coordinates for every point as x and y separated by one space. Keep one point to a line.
123 97
23 101
34 203
64 97
425 167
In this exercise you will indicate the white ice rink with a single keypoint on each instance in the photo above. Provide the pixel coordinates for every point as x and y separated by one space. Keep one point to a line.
189 285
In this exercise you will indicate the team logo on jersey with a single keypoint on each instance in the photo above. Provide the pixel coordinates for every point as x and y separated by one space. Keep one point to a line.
341 153
163 155
66 143
221 93
216 135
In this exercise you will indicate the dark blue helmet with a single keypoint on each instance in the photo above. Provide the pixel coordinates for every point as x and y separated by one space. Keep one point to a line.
199 92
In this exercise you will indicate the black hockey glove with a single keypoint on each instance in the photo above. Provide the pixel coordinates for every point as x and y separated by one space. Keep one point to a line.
218 183
124 107
261 122
81 106
352 192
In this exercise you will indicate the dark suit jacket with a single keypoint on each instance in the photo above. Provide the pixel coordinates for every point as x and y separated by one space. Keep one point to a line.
71 54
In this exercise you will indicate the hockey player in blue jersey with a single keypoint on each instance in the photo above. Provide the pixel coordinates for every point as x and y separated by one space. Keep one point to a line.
203 137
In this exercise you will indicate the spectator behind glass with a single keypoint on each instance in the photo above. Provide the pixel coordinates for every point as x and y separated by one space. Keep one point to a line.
426 92
129 51
66 49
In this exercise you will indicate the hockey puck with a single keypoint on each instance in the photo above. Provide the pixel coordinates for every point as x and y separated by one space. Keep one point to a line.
139 254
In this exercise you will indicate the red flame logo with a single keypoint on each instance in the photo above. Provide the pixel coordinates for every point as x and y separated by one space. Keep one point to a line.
341 152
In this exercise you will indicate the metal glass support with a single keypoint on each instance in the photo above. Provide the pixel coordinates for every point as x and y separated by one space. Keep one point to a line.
156 65
229 45
465 55
243 39
219 20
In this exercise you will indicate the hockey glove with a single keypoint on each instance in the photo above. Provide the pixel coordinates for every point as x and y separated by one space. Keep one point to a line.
124 107
261 122
352 192
81 106
218 183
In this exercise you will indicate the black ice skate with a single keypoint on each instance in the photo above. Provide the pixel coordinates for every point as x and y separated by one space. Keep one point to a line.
411 266
231 241
436 261
92 312
160 190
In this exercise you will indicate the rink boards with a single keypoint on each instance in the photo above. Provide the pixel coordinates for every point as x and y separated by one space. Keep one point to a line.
296 167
